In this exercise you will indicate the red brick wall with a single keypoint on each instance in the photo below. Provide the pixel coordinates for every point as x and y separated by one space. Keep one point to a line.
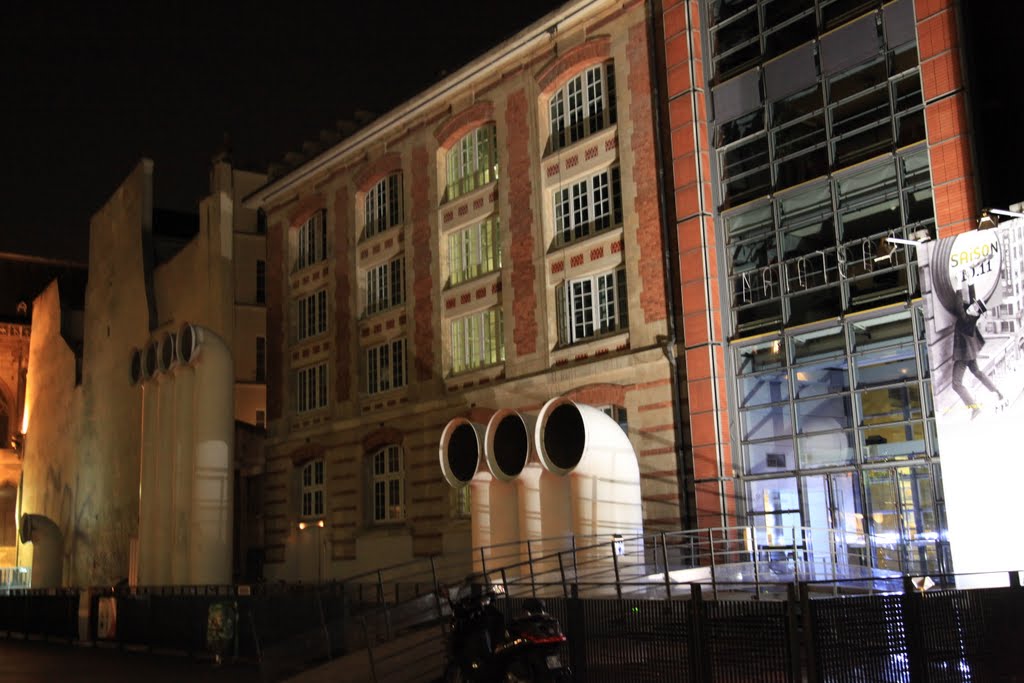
520 225
949 148
344 317
699 297
594 51
641 143
449 132
277 247
422 351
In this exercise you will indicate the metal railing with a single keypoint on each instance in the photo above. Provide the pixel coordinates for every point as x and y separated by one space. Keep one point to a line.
14 578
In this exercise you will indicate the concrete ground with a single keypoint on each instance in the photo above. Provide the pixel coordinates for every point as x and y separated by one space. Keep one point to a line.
41 662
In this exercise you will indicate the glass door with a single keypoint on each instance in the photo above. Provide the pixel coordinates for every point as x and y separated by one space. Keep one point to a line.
903 519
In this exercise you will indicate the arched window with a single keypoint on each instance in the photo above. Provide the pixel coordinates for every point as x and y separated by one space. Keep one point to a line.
383 205
584 105
311 246
387 484
472 161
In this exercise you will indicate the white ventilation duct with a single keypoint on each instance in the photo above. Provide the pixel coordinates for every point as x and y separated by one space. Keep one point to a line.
460 454
149 522
210 536
582 442
163 472
47 549
182 462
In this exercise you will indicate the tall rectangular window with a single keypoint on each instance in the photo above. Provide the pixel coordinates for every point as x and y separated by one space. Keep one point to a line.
583 106
477 340
261 281
385 285
312 489
388 483
312 241
588 206
383 205
311 388
472 161
261 359
386 367
474 251
311 314
593 306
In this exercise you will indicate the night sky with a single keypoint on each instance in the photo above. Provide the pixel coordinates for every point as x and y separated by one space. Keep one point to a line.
89 89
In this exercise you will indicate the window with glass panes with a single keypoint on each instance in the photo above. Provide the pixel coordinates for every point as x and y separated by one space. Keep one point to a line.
472 161
592 306
312 497
388 482
382 205
588 206
385 285
820 250
386 366
311 244
474 251
478 340
311 314
311 388
831 420
584 105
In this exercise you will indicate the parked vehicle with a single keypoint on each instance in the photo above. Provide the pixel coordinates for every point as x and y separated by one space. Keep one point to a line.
482 648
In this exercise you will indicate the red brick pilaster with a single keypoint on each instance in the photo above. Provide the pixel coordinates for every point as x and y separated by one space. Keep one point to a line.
277 247
949 147
520 226
422 351
344 320
698 291
645 177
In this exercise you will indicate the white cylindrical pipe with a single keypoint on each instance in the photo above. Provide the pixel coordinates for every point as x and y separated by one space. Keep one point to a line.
460 454
47 549
210 541
148 521
161 543
181 484
582 442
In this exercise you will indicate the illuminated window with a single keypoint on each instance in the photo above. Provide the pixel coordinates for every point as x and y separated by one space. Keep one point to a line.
385 367
312 241
472 161
311 315
584 105
388 482
478 340
588 206
592 306
385 286
383 205
311 388
474 251
312 478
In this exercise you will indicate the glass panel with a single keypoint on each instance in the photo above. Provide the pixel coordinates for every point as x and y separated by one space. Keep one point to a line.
883 519
806 217
743 224
741 127
821 379
756 390
790 35
763 356
775 508
885 366
796 106
894 441
766 423
824 343
892 404
826 448
887 330
824 414
920 518
770 456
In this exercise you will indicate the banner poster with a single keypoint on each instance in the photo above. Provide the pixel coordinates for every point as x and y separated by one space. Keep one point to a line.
973 289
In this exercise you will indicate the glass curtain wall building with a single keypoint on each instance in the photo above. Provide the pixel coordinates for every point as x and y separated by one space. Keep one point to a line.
820 154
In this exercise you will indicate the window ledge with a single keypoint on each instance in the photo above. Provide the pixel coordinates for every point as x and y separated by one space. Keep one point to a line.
611 131
480 190
475 376
614 233
592 348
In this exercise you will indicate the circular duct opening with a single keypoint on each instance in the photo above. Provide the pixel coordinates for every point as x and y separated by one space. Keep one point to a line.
463 452
168 355
511 445
564 436
135 367
186 343
151 359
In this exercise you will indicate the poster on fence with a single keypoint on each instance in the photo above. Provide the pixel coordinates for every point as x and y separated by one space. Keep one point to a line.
973 289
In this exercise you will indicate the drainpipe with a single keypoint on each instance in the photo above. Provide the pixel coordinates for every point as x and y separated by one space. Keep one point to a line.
684 473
